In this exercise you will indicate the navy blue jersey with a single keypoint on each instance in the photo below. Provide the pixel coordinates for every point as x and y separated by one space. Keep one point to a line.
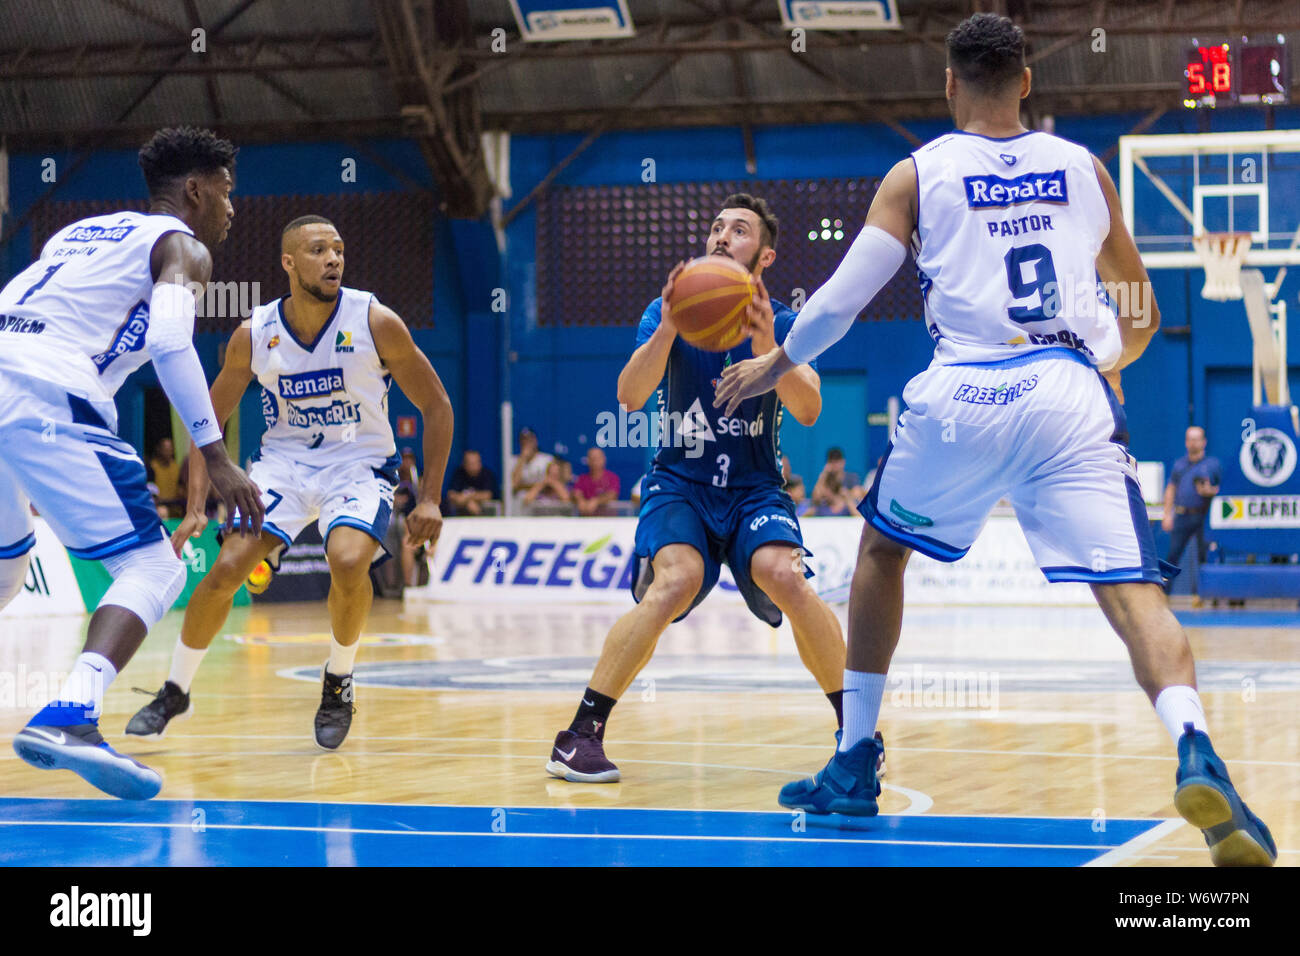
696 441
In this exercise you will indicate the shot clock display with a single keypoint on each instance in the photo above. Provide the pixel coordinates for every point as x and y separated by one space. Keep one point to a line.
1224 74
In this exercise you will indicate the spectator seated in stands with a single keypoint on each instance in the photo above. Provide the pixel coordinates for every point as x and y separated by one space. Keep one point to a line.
550 495
597 490
530 467
837 491
473 488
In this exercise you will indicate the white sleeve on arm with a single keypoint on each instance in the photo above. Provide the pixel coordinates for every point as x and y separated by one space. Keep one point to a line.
171 344
870 262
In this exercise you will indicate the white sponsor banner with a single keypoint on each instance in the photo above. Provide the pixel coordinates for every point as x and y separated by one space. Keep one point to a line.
592 559
840 14
51 587
552 20
1255 511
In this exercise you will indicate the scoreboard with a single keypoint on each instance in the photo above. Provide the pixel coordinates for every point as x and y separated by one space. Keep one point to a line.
1244 72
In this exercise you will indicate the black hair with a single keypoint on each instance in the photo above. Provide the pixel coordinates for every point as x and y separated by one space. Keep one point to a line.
835 454
180 150
761 209
987 51
305 221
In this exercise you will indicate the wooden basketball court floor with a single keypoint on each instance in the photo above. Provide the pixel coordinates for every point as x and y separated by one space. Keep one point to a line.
1015 736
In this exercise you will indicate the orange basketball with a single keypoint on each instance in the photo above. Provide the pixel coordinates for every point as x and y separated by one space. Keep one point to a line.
708 303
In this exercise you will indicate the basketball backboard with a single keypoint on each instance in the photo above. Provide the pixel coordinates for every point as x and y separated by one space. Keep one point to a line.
1173 188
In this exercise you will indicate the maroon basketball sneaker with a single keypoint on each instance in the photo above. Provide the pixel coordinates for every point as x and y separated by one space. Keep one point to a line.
579 757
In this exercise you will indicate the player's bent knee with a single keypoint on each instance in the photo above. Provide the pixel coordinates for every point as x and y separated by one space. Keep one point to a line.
146 581
676 587
13 574
778 577
349 567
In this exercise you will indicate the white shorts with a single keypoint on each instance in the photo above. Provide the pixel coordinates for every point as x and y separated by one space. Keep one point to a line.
58 452
351 494
1043 431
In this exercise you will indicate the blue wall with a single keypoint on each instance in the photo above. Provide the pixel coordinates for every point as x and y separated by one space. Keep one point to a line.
559 379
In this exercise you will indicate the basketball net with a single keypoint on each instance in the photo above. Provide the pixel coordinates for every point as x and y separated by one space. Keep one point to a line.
1222 254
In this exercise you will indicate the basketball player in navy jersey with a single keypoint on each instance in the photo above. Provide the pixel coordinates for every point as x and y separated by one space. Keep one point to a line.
1010 229
109 294
705 502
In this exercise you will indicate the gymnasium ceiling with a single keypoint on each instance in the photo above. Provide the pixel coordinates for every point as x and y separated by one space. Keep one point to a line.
82 74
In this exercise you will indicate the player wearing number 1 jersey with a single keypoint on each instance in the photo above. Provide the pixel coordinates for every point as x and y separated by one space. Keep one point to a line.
107 295
1011 229
713 495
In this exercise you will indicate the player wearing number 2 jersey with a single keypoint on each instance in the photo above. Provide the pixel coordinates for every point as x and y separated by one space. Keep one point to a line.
713 495
107 295
1010 229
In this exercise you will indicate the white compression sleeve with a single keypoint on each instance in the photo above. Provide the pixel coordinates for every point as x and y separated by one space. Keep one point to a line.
870 262
171 344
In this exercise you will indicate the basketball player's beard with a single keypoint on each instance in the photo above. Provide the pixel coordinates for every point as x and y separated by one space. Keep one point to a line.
317 292
750 265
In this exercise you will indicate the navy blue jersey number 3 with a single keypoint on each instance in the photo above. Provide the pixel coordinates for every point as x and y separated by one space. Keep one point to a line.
1044 282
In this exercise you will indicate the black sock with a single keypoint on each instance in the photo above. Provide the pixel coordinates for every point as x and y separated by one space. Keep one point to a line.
836 697
595 707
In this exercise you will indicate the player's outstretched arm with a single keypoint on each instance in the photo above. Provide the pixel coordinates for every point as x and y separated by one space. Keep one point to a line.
415 376
179 263
1120 262
871 261
645 369
801 390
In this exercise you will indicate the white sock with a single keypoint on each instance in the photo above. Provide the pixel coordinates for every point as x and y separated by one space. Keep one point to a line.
863 693
185 664
87 683
342 658
1180 705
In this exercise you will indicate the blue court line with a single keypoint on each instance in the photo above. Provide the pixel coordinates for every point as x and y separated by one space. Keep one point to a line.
235 833
1237 617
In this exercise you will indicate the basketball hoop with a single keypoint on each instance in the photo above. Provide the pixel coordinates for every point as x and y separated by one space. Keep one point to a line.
1222 254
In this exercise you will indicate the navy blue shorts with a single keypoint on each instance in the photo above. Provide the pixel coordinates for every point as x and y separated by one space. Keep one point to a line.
722 524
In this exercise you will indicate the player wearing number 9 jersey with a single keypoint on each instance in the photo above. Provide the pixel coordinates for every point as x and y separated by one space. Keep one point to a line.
1010 229
713 495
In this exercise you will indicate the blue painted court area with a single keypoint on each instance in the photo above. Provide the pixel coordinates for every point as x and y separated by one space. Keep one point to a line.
231 833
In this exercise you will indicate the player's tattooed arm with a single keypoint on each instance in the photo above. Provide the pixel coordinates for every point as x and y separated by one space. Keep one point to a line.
1119 261
415 376
645 369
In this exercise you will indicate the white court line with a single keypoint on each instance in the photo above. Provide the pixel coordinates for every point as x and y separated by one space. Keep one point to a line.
1139 842
721 743
568 836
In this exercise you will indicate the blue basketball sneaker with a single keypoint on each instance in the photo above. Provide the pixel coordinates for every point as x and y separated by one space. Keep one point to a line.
64 738
847 785
1206 799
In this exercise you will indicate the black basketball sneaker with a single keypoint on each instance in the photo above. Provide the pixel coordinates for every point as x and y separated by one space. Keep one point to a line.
151 720
334 716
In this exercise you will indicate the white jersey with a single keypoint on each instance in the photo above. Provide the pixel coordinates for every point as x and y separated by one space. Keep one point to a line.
1006 244
77 316
325 402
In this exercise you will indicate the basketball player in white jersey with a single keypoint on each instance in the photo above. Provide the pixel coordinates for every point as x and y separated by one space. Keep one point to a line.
1010 229
325 356
107 295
